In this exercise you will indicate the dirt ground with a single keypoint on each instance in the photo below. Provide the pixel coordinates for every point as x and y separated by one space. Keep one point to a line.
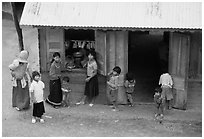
85 121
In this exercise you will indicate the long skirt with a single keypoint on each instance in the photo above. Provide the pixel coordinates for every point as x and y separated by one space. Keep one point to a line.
55 96
38 109
20 96
91 88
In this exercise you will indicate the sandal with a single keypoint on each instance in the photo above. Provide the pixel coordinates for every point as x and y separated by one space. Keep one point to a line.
18 109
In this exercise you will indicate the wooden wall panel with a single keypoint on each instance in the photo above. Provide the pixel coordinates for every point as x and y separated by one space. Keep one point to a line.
178 67
100 47
43 50
111 50
56 37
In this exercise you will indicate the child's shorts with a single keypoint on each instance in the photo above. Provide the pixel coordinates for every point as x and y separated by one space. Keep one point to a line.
167 93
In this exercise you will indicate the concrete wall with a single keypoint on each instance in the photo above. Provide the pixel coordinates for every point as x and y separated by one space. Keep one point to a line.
31 43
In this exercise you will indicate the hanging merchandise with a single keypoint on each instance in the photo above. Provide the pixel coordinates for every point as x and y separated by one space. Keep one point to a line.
88 45
92 45
83 44
75 44
79 44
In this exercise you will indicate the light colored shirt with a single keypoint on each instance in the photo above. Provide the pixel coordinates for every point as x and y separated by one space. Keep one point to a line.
91 67
65 87
166 80
37 89
113 83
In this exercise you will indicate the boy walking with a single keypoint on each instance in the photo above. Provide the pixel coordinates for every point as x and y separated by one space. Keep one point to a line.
129 87
159 101
65 91
113 84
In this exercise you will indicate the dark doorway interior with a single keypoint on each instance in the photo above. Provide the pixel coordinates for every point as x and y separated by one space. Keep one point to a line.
147 59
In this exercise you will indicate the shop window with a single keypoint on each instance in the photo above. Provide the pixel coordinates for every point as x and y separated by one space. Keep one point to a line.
77 44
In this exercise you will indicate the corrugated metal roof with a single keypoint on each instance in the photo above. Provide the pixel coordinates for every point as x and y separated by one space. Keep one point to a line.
114 15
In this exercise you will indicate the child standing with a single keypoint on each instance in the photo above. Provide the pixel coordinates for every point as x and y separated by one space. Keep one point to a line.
166 85
159 101
91 86
36 90
129 87
113 84
65 91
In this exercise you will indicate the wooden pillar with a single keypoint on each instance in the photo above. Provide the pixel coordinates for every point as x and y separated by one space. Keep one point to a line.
111 50
121 61
117 55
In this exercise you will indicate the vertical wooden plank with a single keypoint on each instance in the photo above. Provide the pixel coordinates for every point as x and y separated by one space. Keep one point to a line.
120 61
173 57
100 47
170 54
178 60
195 65
179 49
120 52
43 50
183 57
125 63
107 51
199 71
55 43
111 52
126 52
62 38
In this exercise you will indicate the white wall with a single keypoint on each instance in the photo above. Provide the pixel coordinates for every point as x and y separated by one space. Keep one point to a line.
31 43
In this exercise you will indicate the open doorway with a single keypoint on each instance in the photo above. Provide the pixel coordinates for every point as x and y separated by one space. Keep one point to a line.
147 59
77 44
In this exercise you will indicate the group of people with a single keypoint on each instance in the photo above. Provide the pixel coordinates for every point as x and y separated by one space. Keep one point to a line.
24 90
28 86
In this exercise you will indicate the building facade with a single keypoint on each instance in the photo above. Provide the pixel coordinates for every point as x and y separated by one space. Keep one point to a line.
143 38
